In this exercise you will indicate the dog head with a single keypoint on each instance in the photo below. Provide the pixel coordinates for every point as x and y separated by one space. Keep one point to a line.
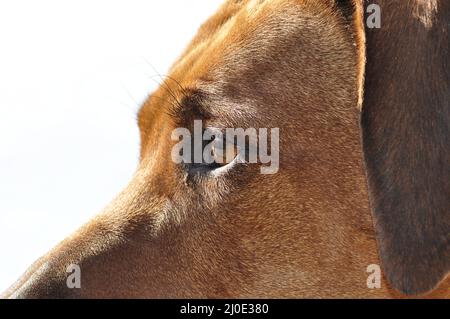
226 228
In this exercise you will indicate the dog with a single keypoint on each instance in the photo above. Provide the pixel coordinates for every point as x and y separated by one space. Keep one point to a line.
363 179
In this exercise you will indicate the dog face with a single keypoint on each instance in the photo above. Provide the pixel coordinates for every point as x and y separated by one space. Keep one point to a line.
238 73
226 230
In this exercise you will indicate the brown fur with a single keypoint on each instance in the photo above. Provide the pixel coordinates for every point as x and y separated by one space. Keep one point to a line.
303 232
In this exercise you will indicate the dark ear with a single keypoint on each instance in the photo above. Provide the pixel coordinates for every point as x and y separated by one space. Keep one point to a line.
406 137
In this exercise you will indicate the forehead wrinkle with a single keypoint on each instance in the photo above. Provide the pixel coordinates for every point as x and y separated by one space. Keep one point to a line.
235 24
210 28
211 53
227 41
226 33
236 32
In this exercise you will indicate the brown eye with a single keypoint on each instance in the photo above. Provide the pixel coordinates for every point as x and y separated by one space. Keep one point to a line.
219 154
223 152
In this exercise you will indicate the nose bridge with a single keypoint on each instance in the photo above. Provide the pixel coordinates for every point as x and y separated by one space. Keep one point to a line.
108 237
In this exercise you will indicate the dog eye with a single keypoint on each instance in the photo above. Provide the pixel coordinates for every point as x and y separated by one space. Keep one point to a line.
219 154
223 152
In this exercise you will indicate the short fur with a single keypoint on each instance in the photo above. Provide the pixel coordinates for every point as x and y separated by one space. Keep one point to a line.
306 231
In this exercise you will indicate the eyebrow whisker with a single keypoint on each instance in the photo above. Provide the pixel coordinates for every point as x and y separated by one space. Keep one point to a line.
167 89
172 104
164 84
183 90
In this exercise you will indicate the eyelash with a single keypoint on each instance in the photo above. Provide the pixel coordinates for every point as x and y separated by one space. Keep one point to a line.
219 158
225 152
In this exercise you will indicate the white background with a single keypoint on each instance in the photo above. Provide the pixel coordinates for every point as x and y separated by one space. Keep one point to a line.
72 77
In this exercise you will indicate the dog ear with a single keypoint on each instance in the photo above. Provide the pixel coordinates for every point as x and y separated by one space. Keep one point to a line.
406 138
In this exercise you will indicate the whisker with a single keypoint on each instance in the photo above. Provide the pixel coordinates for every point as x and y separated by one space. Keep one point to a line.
168 90
165 84
172 106
183 90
